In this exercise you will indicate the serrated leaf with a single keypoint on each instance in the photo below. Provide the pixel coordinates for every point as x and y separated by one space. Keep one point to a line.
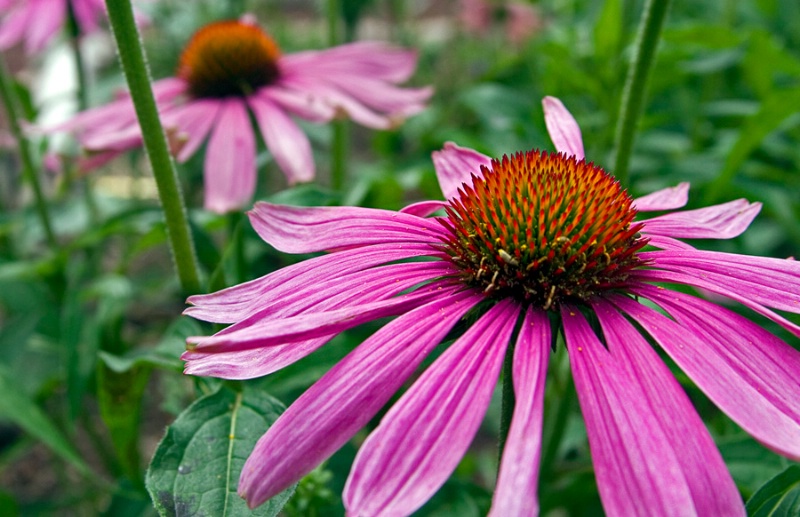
196 467
779 497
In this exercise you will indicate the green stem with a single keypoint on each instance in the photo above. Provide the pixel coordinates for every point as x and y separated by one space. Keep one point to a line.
509 400
653 16
341 133
83 101
10 102
137 74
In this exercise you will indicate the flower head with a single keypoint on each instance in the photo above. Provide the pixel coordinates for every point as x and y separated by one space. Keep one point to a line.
537 241
232 69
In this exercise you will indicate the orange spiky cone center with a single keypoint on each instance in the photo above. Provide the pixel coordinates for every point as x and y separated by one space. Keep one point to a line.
228 58
543 229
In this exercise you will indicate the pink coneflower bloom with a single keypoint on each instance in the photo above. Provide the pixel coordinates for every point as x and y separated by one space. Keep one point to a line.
546 241
37 22
232 69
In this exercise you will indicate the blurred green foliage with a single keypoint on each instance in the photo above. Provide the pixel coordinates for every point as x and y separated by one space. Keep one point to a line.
90 335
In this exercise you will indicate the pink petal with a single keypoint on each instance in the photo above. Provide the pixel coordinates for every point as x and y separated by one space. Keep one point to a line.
456 165
381 96
371 59
257 334
238 302
13 26
636 457
340 101
769 281
724 221
423 208
713 491
347 397
564 130
665 199
167 89
346 291
518 479
302 104
193 121
307 230
46 19
230 168
721 285
668 243
421 439
753 376
285 140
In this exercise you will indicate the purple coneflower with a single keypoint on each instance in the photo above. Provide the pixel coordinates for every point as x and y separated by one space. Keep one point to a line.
545 241
36 22
232 69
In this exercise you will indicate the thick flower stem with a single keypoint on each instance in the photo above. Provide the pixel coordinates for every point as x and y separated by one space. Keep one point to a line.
137 74
341 129
653 16
28 170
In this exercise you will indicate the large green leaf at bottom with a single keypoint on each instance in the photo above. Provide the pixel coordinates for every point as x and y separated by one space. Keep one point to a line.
196 467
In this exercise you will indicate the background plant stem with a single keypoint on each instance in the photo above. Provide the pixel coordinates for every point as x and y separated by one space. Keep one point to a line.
630 109
10 102
341 129
137 74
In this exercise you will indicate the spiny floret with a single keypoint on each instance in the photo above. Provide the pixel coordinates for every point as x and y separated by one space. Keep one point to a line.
228 58
543 228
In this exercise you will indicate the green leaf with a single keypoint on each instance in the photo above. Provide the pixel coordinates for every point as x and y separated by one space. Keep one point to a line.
774 110
21 410
608 30
119 396
779 497
197 464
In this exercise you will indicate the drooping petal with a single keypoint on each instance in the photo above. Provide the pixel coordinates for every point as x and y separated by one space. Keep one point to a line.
193 121
718 285
13 27
285 140
302 104
313 325
46 18
347 397
240 301
637 467
665 199
229 170
421 439
724 221
455 166
712 488
352 290
518 479
750 374
340 101
769 281
307 230
563 128
373 59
